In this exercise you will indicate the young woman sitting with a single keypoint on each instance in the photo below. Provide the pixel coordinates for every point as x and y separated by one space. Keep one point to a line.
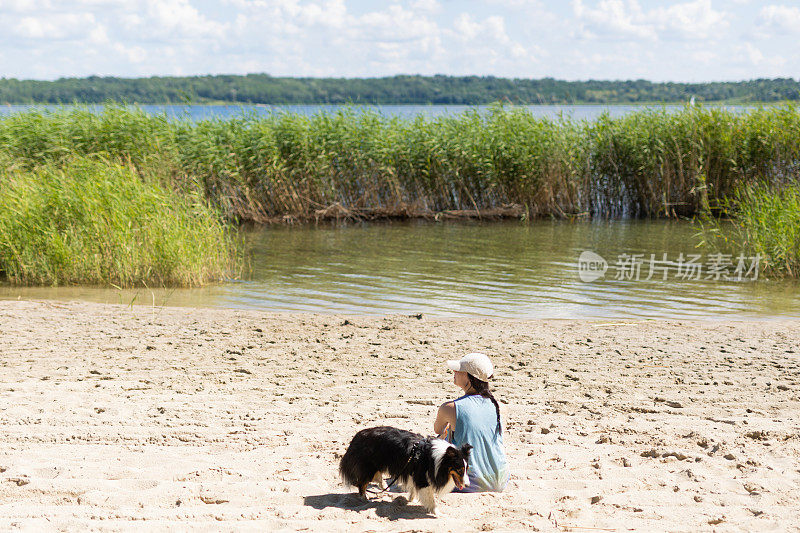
474 418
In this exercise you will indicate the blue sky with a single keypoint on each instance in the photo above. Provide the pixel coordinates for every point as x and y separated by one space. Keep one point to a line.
690 40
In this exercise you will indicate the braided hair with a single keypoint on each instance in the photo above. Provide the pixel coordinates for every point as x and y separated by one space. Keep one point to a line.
482 387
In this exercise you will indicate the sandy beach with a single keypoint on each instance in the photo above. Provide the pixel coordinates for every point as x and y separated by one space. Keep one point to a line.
121 418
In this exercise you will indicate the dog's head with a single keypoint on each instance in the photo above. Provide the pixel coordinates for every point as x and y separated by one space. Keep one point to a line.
455 462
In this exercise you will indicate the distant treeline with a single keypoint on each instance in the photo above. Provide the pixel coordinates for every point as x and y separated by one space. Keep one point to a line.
466 90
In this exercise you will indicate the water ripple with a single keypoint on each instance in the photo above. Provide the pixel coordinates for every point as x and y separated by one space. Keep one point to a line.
509 270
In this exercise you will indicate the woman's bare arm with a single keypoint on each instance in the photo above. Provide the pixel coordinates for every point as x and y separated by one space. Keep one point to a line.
445 416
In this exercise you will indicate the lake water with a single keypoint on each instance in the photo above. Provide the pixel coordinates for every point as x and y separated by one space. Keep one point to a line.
501 269
202 112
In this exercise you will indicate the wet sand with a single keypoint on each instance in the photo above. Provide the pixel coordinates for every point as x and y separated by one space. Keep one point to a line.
118 418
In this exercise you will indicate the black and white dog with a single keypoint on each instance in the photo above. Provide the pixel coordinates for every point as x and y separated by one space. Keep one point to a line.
425 467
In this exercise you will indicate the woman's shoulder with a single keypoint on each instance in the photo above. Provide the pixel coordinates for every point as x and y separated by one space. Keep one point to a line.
448 406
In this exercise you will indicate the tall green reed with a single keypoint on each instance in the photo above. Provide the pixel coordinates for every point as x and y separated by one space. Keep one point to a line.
90 221
764 221
650 163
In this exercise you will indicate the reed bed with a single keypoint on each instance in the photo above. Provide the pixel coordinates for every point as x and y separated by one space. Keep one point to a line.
650 163
765 221
357 163
89 221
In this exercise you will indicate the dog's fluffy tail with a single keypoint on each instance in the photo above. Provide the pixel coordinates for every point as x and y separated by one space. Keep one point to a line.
351 469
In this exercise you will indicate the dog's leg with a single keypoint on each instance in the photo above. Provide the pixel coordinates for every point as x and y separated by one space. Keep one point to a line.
408 485
379 480
362 490
428 499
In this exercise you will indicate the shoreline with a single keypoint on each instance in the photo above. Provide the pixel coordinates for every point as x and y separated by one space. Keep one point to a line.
337 213
81 294
193 417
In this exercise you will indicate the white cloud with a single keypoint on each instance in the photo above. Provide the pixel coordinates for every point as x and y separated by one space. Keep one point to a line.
23 6
489 31
705 57
394 24
616 19
134 54
466 27
54 27
518 3
99 35
696 19
178 18
93 4
426 6
90 19
753 53
781 18
626 20
747 59
332 14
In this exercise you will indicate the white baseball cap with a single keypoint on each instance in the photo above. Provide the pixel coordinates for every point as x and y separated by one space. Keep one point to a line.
475 363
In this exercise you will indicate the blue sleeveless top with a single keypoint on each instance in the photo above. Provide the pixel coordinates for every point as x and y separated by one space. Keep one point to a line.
476 424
